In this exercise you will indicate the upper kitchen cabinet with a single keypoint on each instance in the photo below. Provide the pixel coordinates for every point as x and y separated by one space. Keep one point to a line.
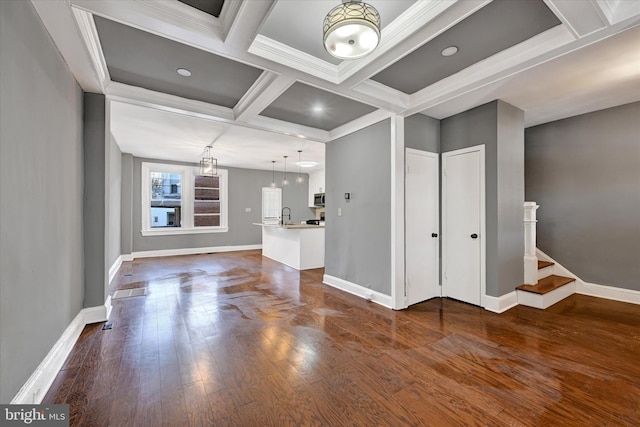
316 185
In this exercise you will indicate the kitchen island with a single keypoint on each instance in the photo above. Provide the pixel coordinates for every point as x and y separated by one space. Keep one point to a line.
300 246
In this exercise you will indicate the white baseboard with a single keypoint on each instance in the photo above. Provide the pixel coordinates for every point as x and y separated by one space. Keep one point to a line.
114 268
357 290
502 303
37 386
192 251
609 292
127 257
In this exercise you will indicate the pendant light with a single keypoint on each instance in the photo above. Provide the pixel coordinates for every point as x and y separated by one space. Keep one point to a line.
208 164
299 179
273 174
285 181
351 30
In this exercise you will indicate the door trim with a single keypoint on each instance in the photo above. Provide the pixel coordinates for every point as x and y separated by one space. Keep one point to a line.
483 227
435 156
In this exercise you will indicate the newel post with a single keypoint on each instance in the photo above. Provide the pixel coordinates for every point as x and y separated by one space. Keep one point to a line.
530 258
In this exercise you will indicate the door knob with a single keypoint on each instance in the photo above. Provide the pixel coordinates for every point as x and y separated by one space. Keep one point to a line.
434 234
474 236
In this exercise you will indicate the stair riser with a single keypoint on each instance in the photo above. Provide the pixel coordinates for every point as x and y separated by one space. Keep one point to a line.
531 299
544 272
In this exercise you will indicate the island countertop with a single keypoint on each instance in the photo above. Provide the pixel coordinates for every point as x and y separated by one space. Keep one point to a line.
289 225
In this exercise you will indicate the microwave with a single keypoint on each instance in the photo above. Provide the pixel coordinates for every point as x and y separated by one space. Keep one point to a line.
318 199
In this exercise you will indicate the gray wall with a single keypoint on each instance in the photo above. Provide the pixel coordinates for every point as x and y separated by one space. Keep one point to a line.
126 204
41 176
584 172
96 196
358 244
245 191
498 126
510 198
114 205
422 133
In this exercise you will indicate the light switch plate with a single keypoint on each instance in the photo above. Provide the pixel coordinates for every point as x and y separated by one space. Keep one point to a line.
339 211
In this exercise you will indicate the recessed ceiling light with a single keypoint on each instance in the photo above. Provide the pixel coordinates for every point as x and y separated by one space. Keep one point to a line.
306 164
183 72
448 51
318 108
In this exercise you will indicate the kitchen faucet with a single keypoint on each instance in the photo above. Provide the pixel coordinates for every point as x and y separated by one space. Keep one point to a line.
282 215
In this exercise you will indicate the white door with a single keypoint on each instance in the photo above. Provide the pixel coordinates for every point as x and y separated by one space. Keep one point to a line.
422 226
463 224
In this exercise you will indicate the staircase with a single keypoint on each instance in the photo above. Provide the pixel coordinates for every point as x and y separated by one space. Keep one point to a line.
550 288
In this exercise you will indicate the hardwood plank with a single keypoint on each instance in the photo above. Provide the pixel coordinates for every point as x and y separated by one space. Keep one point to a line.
547 284
236 339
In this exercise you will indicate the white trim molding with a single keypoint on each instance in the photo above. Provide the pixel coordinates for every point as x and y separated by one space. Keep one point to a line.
357 290
115 267
608 292
191 251
500 304
37 386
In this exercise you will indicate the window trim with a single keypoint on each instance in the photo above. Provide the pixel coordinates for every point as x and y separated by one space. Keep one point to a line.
188 174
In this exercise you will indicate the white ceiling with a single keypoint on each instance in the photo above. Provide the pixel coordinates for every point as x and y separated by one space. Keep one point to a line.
588 62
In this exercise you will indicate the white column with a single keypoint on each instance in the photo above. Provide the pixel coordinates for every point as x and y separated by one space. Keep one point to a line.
530 258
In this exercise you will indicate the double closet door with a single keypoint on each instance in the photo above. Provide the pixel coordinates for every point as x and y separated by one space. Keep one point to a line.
458 239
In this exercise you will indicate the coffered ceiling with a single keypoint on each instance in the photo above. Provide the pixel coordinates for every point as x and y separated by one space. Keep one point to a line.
262 86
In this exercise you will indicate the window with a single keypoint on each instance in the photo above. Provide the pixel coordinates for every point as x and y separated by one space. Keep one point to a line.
166 199
176 200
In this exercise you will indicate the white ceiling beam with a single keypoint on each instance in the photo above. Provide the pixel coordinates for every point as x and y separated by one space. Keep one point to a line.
262 93
580 17
360 123
289 129
58 19
515 59
466 87
241 28
161 101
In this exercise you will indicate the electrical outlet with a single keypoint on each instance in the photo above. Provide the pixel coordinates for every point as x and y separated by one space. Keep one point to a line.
247 209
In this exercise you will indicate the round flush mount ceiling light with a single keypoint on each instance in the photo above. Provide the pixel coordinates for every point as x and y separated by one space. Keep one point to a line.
351 30
448 51
306 164
183 72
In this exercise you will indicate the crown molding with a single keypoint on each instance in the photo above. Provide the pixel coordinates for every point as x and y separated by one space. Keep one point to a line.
262 93
360 123
286 55
89 33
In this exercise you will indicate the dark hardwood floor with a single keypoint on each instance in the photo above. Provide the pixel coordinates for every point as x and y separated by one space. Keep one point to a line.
234 339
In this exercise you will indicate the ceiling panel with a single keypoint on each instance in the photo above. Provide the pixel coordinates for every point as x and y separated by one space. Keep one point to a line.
496 27
212 7
138 58
309 106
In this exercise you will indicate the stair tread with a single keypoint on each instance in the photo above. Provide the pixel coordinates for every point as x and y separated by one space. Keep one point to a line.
543 264
546 285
